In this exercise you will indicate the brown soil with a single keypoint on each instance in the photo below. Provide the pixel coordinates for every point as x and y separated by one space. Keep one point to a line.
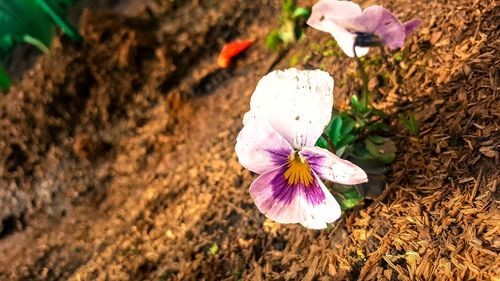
117 156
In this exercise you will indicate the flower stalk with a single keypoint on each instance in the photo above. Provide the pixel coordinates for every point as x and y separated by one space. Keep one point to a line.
365 99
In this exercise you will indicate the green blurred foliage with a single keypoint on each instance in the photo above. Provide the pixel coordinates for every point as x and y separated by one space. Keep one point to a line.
31 22
351 199
290 26
4 79
410 122
214 249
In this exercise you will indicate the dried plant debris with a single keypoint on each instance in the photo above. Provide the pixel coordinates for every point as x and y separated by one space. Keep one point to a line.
111 169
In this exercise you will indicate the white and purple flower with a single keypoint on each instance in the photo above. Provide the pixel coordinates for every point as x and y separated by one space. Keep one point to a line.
288 113
364 28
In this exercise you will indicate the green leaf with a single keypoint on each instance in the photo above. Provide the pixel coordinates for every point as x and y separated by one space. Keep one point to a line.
340 126
321 142
330 43
348 124
361 152
299 33
335 129
352 199
273 40
328 53
287 32
25 17
398 56
66 3
355 103
385 152
301 12
346 140
376 139
340 131
7 43
290 25
56 13
294 60
288 7
379 127
410 122
375 61
5 81
378 112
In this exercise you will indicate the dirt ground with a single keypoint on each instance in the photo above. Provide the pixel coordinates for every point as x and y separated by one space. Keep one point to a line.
117 155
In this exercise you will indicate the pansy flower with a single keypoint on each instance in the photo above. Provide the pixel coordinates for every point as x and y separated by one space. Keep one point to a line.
352 26
288 113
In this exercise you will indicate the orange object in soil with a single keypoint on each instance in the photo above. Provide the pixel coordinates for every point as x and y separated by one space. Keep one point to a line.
231 50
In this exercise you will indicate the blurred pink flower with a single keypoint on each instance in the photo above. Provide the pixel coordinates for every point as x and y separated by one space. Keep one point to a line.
288 113
351 26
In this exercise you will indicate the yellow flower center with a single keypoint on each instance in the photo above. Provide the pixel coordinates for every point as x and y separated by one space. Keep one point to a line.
298 170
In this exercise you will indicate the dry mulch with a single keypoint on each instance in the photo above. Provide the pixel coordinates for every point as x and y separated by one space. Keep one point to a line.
120 161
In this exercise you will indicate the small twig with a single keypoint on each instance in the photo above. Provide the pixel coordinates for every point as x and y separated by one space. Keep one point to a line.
335 192
476 186
419 146
331 146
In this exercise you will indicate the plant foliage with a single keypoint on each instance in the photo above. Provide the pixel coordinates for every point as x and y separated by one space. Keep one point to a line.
290 26
31 22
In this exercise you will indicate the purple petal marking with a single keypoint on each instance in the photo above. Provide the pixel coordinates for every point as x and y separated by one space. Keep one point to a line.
279 156
313 193
285 192
315 161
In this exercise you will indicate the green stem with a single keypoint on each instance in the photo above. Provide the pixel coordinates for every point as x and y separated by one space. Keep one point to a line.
35 42
366 94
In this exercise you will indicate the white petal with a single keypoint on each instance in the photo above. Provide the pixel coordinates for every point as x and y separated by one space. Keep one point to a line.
345 40
259 148
317 216
297 103
331 167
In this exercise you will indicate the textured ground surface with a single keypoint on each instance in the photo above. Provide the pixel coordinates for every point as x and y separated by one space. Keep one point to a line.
117 159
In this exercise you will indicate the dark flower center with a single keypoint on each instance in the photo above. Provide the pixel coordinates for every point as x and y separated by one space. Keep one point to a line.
367 40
